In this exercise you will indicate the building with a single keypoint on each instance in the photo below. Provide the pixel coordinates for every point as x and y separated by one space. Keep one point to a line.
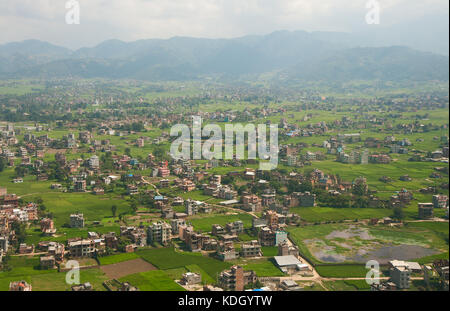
285 250
251 249
4 244
47 262
80 185
235 227
76 221
20 286
440 201
266 236
190 278
426 210
82 248
94 162
301 199
280 237
159 232
401 276
48 226
251 203
236 278
175 224
289 263
217 230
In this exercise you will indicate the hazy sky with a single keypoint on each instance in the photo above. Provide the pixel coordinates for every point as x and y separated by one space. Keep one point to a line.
130 20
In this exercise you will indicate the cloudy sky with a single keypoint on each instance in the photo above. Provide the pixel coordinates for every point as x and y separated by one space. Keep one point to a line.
130 20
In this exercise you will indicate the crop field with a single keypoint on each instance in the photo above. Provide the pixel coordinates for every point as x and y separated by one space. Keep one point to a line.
113 259
205 222
152 281
61 205
124 268
169 258
263 267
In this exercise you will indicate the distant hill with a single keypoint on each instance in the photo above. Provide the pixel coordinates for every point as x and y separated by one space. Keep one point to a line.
294 55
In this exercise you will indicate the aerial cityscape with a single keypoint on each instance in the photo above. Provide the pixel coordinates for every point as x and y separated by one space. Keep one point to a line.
285 160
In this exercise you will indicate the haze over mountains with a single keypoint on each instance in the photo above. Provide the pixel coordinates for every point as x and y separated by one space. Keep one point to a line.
291 55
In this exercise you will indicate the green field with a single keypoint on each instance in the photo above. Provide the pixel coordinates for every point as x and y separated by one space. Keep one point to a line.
108 260
152 281
169 258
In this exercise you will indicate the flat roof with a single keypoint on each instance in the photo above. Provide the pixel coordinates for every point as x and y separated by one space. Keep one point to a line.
287 260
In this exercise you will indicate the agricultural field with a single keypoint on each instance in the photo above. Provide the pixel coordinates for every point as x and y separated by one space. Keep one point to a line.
152 281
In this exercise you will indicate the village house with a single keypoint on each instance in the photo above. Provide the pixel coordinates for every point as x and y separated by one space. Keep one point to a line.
236 278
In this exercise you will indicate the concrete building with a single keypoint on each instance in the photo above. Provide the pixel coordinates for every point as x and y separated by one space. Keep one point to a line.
289 263
159 232
251 249
440 201
401 276
20 286
235 227
426 210
190 278
82 248
77 221
236 278
285 250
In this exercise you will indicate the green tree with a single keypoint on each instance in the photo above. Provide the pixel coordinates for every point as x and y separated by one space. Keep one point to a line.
114 210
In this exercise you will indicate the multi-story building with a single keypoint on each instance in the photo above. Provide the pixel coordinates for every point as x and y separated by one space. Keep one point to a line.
82 248
401 276
426 210
266 237
175 224
159 232
300 199
251 249
77 221
251 203
440 201
236 278
235 227
285 250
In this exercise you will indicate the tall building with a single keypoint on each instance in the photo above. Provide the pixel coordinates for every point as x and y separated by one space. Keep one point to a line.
159 232
77 221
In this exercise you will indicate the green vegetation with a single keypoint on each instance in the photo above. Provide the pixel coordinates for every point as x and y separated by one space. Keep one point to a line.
152 281
169 258
108 260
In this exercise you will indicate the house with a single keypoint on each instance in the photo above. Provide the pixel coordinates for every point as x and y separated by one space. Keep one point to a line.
440 201
190 278
251 249
84 247
426 210
236 278
47 262
20 286
77 221
159 232
251 203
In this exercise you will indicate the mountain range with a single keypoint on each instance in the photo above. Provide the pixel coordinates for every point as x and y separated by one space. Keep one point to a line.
299 55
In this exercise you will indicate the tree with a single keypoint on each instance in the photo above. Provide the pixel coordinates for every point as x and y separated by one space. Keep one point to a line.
2 164
114 210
